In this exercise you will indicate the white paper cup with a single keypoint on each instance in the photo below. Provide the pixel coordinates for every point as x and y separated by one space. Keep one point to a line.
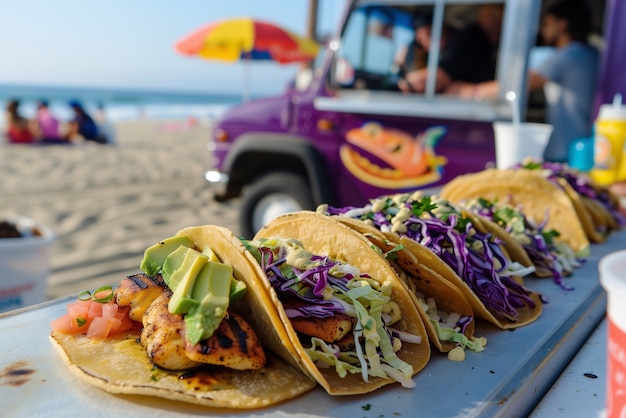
613 278
24 266
516 142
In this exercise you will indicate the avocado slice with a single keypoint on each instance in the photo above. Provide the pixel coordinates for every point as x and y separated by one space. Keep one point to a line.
154 256
182 300
237 290
209 253
173 262
192 263
212 289
237 287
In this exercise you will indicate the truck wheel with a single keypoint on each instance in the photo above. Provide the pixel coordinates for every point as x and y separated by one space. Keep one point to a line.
271 195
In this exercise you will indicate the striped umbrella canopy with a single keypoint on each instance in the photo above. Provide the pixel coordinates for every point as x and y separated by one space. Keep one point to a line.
247 39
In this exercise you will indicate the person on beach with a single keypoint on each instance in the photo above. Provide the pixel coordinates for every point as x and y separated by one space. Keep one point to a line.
82 127
18 128
45 126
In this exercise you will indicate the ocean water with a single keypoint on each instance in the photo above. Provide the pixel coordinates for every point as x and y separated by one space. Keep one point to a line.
118 103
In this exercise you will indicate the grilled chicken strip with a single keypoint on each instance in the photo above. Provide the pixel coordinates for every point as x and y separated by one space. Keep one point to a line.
138 291
233 344
162 336
330 329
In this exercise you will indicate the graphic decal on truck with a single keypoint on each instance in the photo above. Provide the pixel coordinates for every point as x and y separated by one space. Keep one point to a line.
393 159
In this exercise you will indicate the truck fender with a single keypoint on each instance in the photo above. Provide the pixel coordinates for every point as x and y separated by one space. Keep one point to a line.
242 169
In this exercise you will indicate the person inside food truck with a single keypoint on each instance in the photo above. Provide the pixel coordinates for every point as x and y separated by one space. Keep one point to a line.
469 56
414 56
568 76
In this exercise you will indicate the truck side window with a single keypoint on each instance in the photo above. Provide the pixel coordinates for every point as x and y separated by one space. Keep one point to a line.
369 45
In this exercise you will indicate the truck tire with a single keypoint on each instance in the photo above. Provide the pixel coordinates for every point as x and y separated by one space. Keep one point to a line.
271 195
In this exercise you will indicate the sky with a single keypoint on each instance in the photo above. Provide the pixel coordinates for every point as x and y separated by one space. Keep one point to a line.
130 43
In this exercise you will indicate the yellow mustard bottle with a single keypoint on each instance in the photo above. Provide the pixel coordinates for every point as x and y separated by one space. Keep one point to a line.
609 141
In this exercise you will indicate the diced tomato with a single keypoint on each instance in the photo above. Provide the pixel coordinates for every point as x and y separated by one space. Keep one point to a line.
100 327
122 312
109 310
64 324
94 319
125 324
79 315
80 308
95 309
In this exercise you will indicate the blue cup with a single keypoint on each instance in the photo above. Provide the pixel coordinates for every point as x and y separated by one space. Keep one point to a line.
581 154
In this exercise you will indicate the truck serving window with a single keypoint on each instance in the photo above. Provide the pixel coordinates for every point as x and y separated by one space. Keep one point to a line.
423 56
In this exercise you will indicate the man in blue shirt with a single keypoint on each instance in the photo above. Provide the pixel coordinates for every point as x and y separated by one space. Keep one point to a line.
568 77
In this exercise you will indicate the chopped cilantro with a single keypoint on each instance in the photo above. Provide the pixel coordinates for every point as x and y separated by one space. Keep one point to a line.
418 207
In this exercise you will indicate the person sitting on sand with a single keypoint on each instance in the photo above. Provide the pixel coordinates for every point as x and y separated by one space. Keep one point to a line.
18 129
82 127
45 126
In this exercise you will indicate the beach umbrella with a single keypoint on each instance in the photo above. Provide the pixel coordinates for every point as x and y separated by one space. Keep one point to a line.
249 40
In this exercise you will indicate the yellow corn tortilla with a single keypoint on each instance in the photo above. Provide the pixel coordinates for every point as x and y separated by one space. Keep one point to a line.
120 364
414 263
603 220
537 197
323 236
586 219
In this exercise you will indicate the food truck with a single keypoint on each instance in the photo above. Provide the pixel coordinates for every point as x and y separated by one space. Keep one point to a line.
350 134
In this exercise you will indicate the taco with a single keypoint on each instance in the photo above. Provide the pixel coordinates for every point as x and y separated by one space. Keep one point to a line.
550 257
471 259
447 315
596 206
353 323
542 201
212 351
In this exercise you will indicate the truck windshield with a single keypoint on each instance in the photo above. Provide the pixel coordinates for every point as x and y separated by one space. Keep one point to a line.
369 44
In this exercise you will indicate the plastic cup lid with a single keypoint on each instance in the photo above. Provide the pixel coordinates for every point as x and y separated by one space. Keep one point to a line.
615 110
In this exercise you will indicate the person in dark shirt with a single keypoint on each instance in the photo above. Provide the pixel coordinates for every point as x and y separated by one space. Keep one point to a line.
469 56
82 125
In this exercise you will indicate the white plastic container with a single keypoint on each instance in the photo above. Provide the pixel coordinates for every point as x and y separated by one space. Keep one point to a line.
613 278
514 142
24 266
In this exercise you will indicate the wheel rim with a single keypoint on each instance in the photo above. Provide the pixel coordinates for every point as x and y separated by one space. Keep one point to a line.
271 206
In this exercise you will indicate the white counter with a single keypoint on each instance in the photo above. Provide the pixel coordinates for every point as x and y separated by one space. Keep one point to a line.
511 378
577 393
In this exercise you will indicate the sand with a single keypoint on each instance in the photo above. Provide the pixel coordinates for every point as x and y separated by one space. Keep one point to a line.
107 204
